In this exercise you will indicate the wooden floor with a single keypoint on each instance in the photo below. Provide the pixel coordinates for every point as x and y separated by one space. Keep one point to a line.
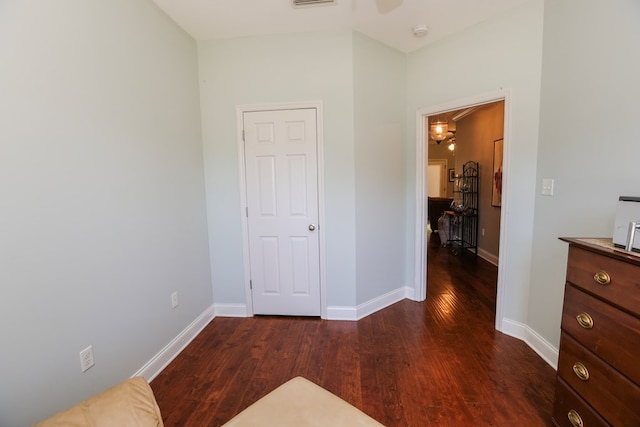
435 363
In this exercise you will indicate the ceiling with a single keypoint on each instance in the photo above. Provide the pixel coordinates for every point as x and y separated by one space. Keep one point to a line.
388 21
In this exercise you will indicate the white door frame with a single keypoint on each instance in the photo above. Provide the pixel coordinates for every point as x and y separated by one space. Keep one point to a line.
240 110
420 262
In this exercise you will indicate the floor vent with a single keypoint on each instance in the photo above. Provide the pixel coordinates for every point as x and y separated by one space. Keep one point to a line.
305 3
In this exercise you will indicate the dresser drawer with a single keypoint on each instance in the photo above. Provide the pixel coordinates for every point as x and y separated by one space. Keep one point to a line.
613 280
568 404
607 391
614 335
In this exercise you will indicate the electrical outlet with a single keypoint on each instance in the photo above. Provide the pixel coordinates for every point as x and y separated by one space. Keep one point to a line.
174 300
86 358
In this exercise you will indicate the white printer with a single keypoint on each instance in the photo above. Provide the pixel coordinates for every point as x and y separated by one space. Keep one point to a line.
627 212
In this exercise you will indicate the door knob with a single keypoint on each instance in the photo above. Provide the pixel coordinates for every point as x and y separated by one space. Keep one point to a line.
312 227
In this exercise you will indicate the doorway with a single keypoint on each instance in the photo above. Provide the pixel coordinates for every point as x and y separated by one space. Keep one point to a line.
280 164
422 182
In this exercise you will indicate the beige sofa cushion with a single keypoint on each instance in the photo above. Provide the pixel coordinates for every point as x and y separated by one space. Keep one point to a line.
129 404
301 403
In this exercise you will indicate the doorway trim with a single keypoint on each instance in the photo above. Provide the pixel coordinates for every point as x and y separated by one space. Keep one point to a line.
246 261
420 262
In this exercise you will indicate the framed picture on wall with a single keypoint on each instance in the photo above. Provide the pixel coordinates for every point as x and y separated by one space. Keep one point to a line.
452 175
496 192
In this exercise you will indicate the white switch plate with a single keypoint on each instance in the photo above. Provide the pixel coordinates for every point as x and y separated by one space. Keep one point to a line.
174 300
547 187
86 358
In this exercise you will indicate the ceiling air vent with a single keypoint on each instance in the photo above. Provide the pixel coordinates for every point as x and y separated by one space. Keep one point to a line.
305 3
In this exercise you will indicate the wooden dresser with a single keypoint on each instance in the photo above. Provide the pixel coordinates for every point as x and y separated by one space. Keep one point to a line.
598 382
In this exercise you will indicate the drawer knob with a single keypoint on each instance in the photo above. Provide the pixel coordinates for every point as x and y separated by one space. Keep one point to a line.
581 371
585 320
575 419
602 278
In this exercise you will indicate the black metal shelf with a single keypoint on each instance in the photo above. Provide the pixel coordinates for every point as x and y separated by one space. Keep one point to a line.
463 221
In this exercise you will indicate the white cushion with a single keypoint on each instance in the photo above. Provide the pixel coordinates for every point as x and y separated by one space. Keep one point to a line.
301 403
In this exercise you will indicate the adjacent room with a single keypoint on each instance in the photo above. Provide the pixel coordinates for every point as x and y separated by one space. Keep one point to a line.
150 149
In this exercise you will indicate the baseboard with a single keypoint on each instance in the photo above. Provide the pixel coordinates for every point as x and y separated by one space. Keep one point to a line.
488 256
160 361
337 312
231 310
410 293
534 340
383 301
333 312
365 309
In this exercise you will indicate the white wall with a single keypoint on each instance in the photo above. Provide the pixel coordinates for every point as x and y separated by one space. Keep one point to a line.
379 103
502 53
101 196
588 137
102 212
277 69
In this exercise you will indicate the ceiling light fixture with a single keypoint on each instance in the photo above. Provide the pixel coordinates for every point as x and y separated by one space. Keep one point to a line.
438 131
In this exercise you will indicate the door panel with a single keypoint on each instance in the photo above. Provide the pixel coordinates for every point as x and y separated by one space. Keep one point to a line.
282 199
270 272
266 185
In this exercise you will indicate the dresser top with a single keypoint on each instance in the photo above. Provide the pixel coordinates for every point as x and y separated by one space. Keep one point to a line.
603 246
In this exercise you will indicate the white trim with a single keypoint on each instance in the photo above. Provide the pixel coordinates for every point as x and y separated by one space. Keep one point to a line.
420 261
153 367
243 200
410 293
542 347
369 307
383 301
231 310
323 251
501 294
338 312
240 110
488 256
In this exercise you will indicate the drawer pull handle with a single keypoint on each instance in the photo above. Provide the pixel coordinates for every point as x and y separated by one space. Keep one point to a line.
581 371
585 320
575 419
602 278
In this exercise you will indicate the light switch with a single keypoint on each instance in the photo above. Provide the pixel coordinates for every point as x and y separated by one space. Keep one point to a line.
547 187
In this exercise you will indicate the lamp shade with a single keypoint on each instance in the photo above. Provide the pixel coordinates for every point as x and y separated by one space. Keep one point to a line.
438 131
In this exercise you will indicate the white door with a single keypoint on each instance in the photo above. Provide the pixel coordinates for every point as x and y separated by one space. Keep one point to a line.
433 180
282 211
437 178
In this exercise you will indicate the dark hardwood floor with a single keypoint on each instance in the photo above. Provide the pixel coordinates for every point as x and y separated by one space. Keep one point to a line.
435 363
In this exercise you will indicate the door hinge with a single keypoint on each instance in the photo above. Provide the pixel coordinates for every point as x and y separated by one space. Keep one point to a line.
243 135
246 211
250 284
